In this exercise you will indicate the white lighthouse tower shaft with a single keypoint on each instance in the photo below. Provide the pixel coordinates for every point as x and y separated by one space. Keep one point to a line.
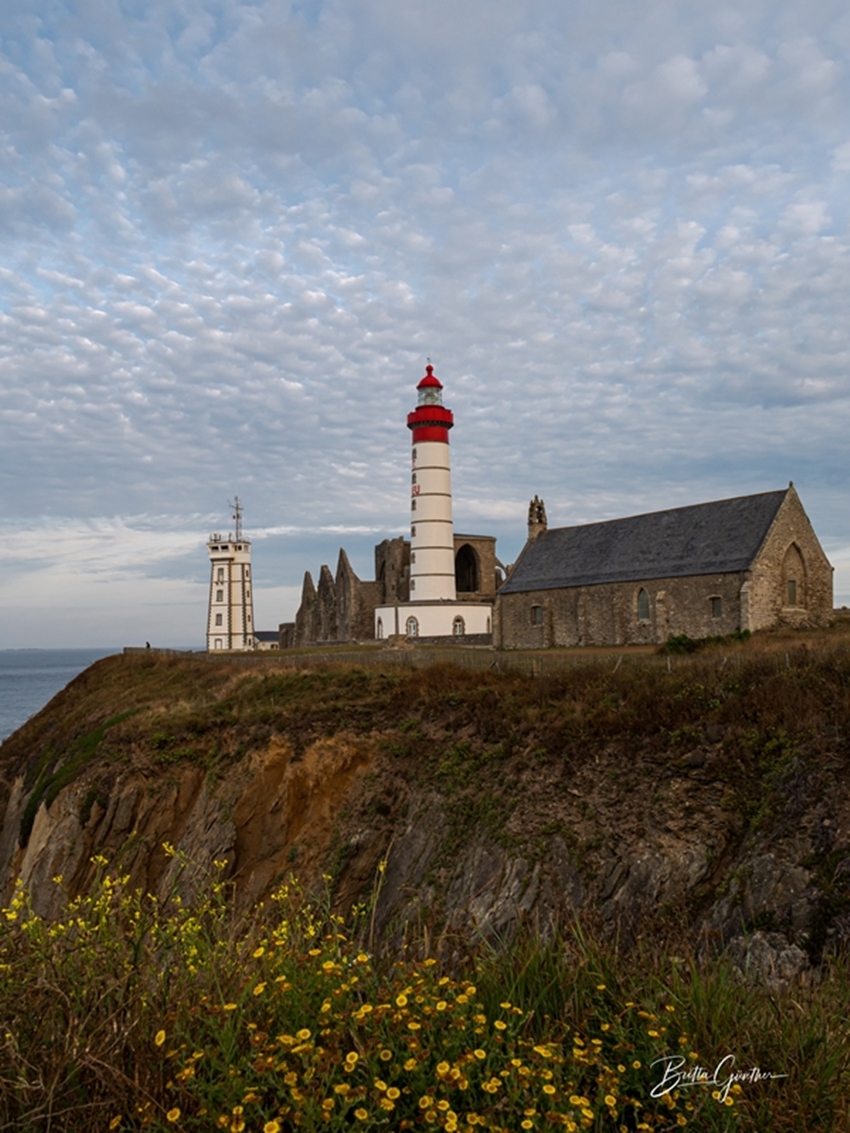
432 556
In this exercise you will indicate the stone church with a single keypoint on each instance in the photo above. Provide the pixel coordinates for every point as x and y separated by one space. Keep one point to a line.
748 563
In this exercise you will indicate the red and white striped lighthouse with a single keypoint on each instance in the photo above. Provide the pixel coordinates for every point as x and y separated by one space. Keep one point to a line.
432 610
432 556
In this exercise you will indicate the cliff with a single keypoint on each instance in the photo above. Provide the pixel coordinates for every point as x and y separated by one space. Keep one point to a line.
709 797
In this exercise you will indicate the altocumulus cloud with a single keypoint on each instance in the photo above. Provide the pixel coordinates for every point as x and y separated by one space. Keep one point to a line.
231 234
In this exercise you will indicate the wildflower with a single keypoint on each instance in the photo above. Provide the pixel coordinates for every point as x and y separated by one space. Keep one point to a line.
303 1034
115 1122
549 1089
393 1093
500 1025
160 1038
271 1127
401 1000
385 1055
610 1100
479 1054
259 989
410 1064
258 952
173 1115
229 1007
361 1114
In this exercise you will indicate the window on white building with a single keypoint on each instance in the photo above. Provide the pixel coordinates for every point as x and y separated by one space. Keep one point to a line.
412 627
379 628
458 627
218 620
219 595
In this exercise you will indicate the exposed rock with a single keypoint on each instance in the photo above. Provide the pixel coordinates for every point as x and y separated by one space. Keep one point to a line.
767 958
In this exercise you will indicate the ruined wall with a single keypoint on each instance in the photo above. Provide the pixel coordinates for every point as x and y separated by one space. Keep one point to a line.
610 614
790 553
483 547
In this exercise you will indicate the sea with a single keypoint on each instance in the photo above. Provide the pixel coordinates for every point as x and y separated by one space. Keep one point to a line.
29 678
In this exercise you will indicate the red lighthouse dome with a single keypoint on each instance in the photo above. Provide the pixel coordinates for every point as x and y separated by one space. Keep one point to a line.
430 420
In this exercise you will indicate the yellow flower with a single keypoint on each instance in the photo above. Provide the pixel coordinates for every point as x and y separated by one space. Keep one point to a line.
385 1055
256 953
173 1115
393 1093
548 1089
401 1000
361 1114
410 1064
259 989
610 1100
115 1122
500 1025
271 1127
160 1038
230 1007
479 1054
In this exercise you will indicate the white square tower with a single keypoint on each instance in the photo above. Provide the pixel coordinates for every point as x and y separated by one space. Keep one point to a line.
230 617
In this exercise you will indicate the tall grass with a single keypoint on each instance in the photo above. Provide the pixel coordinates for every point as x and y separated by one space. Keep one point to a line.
129 1012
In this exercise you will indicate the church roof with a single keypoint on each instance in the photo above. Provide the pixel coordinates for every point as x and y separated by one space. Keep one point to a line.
712 538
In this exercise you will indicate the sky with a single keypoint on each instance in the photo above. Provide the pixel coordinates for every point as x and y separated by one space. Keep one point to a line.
232 234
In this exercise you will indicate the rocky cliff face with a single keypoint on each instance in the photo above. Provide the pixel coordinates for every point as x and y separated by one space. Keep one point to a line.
713 800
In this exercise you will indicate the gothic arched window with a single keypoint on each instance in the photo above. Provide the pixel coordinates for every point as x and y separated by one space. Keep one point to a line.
643 605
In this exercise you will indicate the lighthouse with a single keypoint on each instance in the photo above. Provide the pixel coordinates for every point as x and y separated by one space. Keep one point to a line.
432 610
230 612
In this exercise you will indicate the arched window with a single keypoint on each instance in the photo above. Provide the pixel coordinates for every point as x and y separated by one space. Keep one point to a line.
412 627
793 578
458 627
643 605
466 569
379 628
218 643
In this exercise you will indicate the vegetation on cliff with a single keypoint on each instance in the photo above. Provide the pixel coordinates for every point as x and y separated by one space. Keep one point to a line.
667 805
132 1012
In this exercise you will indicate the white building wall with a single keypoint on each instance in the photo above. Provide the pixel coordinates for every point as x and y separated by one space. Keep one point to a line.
433 620
230 616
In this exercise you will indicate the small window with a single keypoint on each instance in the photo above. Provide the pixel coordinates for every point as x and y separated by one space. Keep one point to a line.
379 628
413 531
219 595
247 572
412 627
218 620
717 607
413 556
220 577
458 627
488 625
792 592
413 505
413 584
413 478
537 615
413 456
643 605
218 643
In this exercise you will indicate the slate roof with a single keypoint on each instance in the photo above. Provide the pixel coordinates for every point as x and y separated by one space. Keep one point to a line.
713 538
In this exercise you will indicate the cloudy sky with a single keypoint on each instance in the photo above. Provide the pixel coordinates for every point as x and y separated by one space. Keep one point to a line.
232 233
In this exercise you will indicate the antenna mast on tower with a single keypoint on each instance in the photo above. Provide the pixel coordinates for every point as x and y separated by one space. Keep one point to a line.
237 515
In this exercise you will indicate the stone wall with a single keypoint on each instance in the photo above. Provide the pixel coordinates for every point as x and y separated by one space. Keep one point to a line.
790 553
483 548
609 614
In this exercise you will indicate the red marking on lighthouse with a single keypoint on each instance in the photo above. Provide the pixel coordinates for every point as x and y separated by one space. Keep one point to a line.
430 420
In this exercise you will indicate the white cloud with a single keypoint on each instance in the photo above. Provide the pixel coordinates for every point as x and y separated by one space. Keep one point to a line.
232 234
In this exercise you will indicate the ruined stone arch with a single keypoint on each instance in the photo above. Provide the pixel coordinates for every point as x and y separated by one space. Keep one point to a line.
467 570
793 579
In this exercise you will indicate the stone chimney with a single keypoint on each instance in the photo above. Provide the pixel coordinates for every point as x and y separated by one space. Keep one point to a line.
536 518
